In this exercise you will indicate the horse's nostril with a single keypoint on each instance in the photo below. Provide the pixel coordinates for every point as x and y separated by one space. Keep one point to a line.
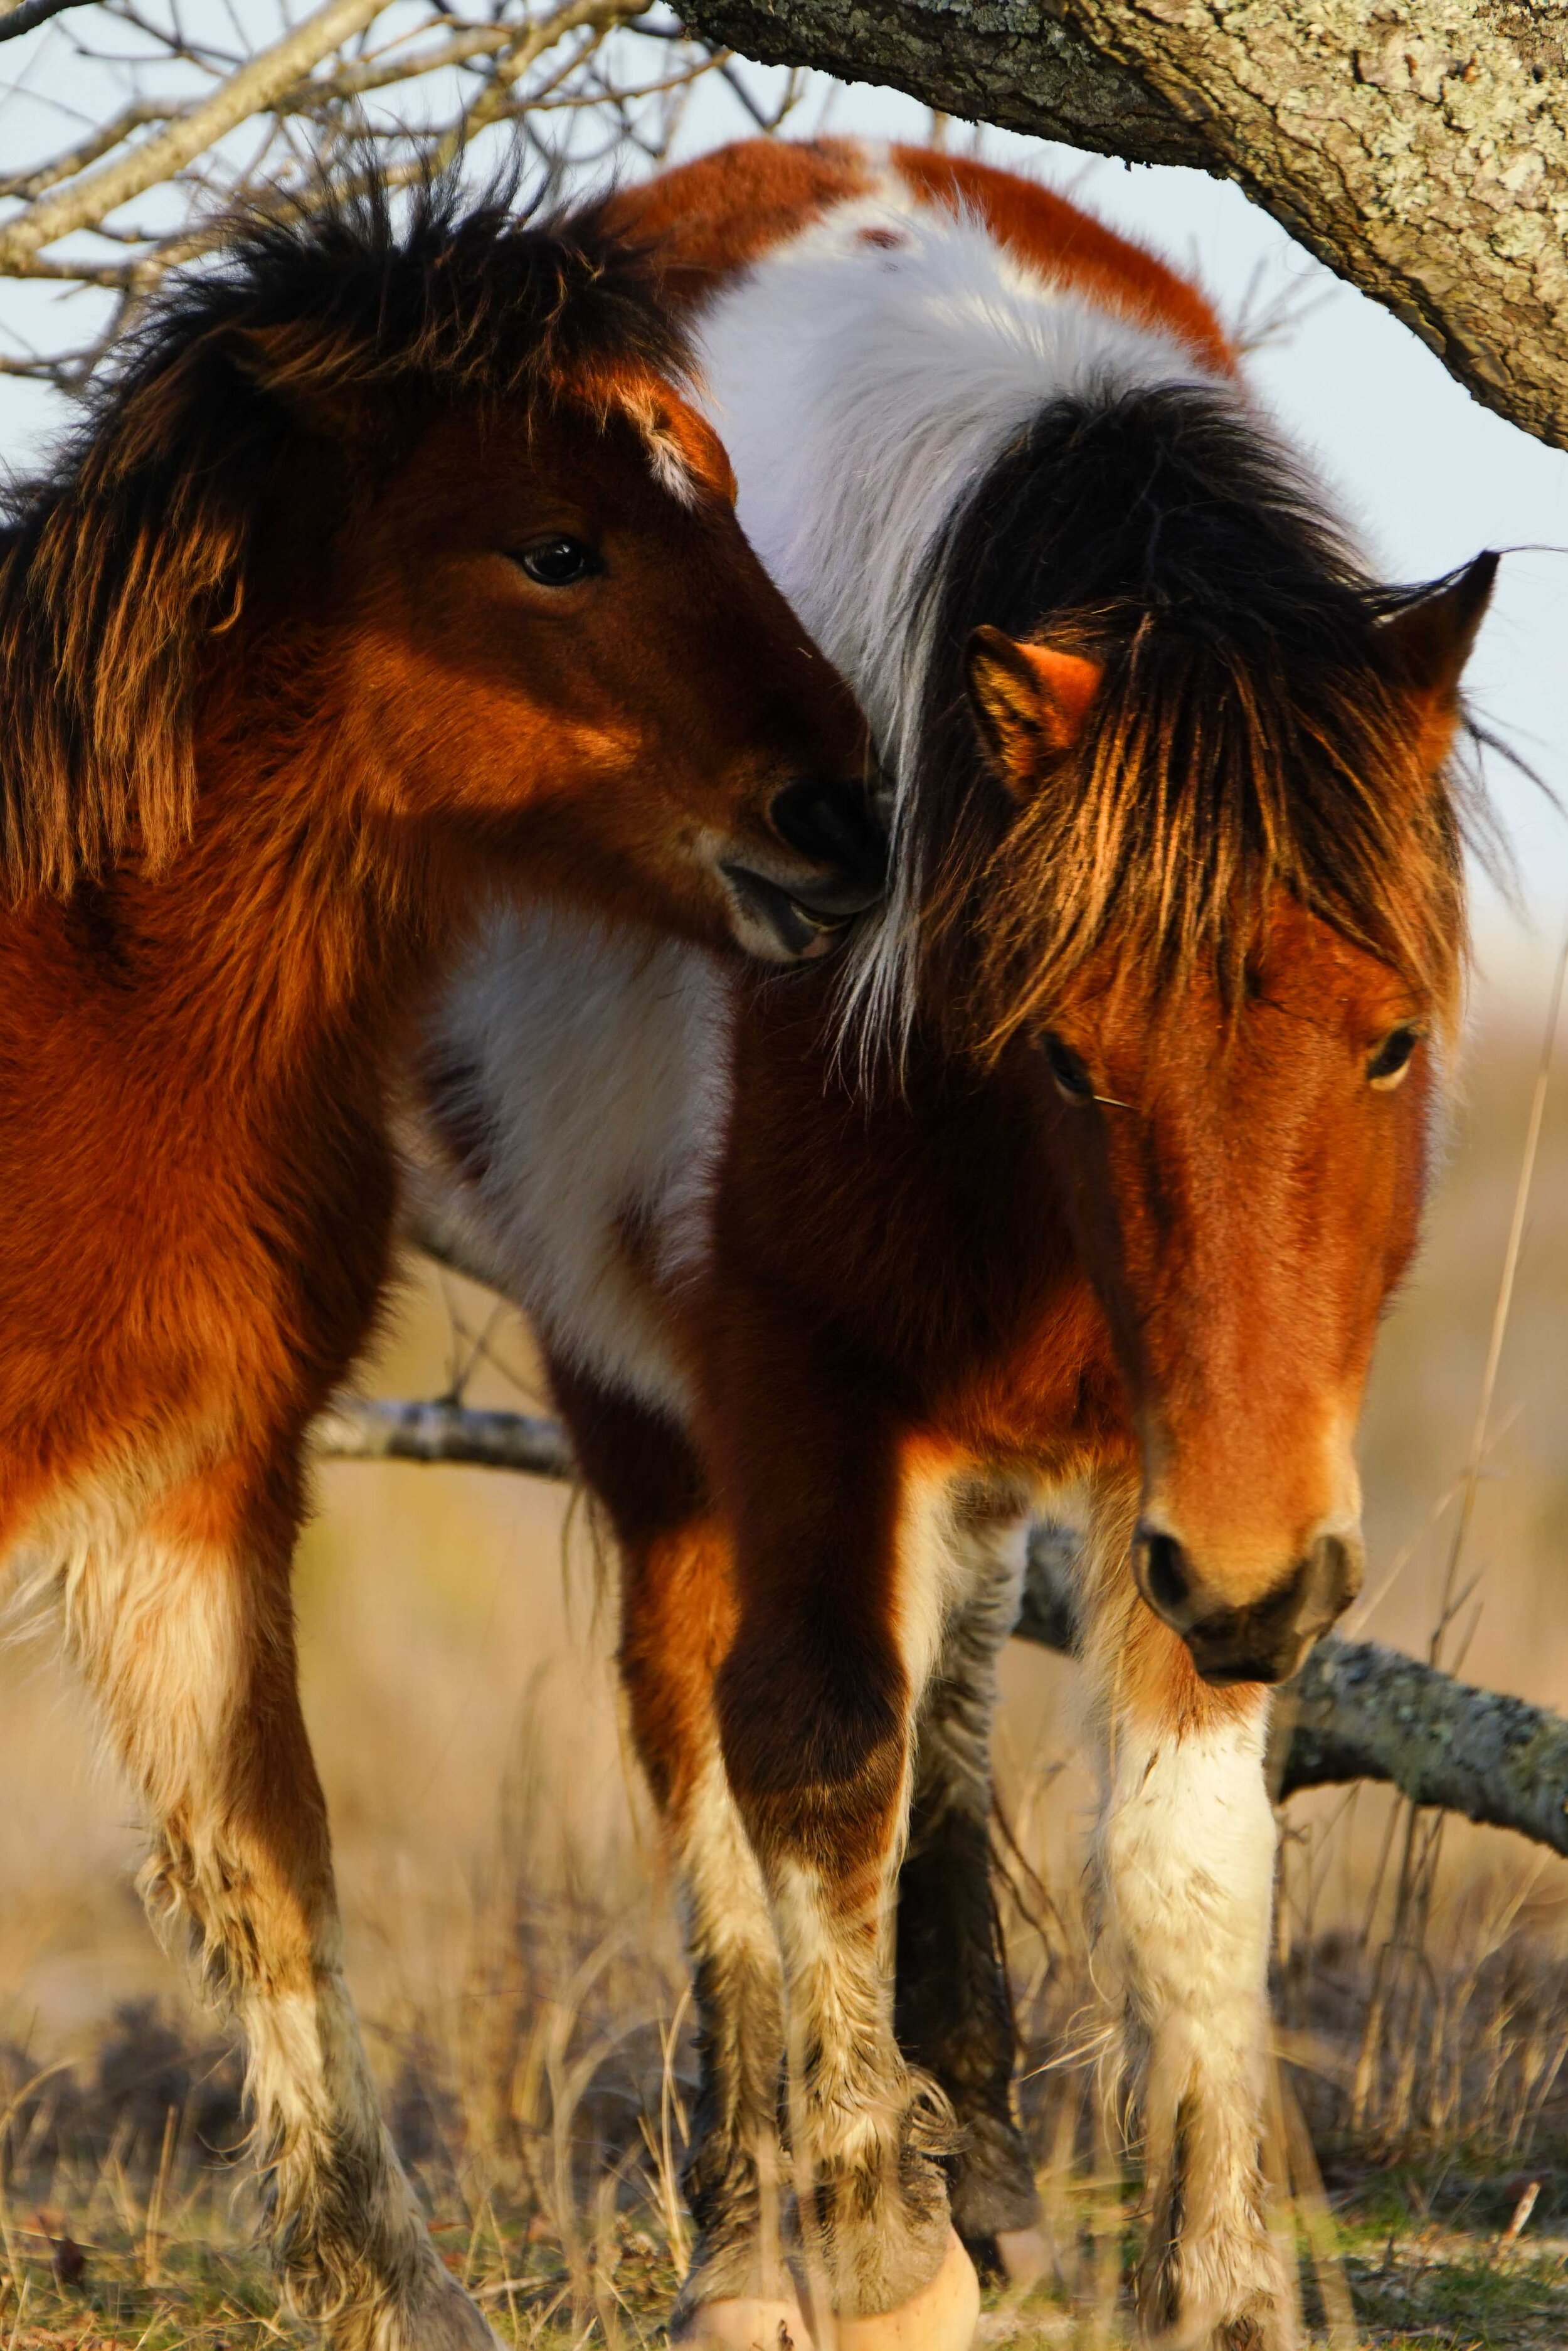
1329 1581
834 825
1165 1575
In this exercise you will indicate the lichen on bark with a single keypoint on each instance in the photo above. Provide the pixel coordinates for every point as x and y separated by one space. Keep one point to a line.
1419 147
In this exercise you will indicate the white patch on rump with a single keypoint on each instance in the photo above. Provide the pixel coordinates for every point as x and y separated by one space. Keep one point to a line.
863 392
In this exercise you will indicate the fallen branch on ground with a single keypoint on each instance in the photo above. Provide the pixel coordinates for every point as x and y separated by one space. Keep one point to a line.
1356 1711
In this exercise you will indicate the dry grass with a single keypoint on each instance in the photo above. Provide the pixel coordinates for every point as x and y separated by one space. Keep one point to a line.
511 1935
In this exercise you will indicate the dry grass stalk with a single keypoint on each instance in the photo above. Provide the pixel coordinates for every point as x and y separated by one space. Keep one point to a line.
151 2245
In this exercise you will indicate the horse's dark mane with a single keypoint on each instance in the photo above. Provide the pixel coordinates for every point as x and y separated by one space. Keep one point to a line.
1250 734
342 317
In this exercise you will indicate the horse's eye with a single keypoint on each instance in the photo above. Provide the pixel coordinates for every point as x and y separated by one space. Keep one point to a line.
1072 1078
558 561
1392 1059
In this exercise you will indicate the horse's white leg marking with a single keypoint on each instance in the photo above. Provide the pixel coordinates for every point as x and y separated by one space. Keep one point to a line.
177 1611
1185 1859
864 2131
735 2180
676 1611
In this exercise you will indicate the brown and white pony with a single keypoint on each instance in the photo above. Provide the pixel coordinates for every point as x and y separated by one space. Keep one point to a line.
1099 1183
391 568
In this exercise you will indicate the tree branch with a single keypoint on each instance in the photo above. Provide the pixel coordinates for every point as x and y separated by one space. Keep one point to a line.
19 16
1361 1711
356 1429
1421 152
1357 1710
250 91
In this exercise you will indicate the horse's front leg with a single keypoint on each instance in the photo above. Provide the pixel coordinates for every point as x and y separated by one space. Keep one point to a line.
954 2009
840 1612
178 1611
1184 1855
677 1620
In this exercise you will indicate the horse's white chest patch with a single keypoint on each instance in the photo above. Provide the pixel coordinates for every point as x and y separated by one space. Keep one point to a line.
601 1064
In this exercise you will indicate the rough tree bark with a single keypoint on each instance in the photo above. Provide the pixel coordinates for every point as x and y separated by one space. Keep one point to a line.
1419 147
1356 1711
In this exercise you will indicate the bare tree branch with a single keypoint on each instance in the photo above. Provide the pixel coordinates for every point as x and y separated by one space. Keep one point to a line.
1420 151
212 126
360 1430
1362 1711
246 92
1356 1711
19 16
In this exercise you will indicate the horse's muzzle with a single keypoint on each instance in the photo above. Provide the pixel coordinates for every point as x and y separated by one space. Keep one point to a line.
838 827
806 900
1266 1640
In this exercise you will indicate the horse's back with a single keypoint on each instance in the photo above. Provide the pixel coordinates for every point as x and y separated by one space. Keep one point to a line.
575 1081
724 213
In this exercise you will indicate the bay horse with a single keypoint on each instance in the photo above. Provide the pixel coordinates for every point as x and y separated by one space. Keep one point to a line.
392 567
1092 1173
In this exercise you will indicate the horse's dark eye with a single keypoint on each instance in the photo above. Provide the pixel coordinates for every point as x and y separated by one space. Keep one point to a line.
558 561
1392 1059
1072 1078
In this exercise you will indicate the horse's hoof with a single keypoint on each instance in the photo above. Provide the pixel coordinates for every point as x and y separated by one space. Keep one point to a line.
743 2322
941 2317
1024 2256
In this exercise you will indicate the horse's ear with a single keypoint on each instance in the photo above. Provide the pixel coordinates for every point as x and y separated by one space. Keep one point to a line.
112 582
1432 638
1030 702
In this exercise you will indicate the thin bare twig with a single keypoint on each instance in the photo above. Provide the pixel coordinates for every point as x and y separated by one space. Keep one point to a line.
254 88
19 16
1502 1309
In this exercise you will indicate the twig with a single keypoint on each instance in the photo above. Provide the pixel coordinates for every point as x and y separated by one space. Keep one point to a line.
1521 2212
23 16
8 2237
250 91
356 1429
149 2249
1504 1307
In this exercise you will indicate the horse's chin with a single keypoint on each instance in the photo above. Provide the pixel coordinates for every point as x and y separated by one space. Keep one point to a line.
778 926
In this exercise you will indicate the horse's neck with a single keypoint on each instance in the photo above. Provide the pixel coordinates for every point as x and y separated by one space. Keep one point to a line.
290 936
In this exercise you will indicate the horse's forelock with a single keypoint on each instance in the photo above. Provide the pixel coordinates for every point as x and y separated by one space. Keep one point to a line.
1201 792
